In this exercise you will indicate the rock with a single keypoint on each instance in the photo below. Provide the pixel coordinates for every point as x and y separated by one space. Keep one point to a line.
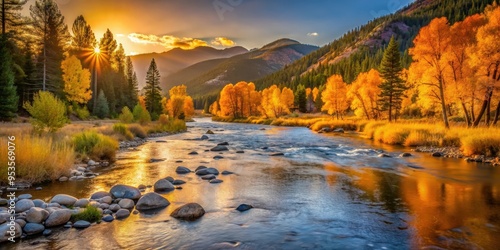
47 232
108 218
179 161
202 172
182 170
163 186
244 207
81 224
277 154
338 130
199 168
39 203
204 137
25 196
126 203
212 171
151 201
82 203
262 129
33 228
219 149
104 206
218 157
64 199
99 195
58 218
178 182
38 188
36 215
24 205
193 153
189 212
216 181
91 163
142 186
178 187
5 231
240 152
156 160
124 191
223 144
122 213
384 156
225 172
114 207
437 154
63 179
21 222
107 211
208 177
405 155
52 205
326 130
210 132
3 202
264 148
170 179
106 200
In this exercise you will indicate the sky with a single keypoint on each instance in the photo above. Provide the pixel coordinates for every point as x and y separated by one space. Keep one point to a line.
145 26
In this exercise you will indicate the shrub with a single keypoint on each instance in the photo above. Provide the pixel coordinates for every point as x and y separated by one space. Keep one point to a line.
163 120
95 145
39 158
123 130
141 115
90 214
82 113
138 131
126 116
47 112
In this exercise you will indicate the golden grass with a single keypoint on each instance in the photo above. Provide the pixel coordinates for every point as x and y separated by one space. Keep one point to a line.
38 158
123 130
96 146
481 141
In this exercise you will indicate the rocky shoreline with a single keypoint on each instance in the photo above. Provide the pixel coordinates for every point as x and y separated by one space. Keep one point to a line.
455 152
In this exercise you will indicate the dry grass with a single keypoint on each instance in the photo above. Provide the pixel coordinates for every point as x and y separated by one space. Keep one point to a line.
38 158
480 141
96 146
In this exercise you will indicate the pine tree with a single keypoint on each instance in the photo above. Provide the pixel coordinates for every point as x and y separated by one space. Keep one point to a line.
132 90
8 96
102 107
393 86
152 90
301 98
10 13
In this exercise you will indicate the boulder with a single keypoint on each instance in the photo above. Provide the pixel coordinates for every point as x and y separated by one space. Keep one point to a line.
122 213
437 154
81 203
208 177
108 218
63 179
36 215
99 195
81 224
212 171
47 232
156 160
244 207
21 222
384 156
114 207
405 155
151 201
33 228
338 130
64 199
106 200
277 154
5 232
219 148
182 170
193 153
216 181
240 152
124 191
223 144
126 203
202 171
210 132
178 182
189 212
163 185
24 205
218 157
204 137
92 163
39 203
58 218
199 168
25 196
225 172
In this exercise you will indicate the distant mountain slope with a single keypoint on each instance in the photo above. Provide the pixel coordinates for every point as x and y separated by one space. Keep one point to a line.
177 59
210 76
361 49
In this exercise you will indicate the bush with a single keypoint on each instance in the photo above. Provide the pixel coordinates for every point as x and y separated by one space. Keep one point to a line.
126 116
138 131
39 158
47 112
82 113
90 214
163 120
96 146
123 130
141 115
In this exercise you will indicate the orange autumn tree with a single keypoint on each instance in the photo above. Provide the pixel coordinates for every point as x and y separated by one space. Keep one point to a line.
364 92
430 63
179 104
76 81
335 96
277 102
240 100
485 59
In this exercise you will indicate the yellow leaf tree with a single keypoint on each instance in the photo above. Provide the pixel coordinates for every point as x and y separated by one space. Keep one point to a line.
277 102
335 96
364 92
76 81
179 104
240 100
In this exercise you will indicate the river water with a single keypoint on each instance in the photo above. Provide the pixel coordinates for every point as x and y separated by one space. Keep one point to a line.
327 192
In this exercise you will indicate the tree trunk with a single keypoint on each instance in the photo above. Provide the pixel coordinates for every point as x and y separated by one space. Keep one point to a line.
467 117
443 105
488 111
497 114
390 108
481 113
3 17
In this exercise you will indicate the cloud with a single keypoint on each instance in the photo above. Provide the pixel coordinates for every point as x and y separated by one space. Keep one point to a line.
120 35
167 41
313 34
223 41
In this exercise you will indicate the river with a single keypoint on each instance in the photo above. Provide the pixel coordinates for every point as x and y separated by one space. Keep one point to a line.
326 192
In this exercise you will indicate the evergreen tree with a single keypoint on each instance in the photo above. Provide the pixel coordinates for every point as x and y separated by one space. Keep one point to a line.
102 107
52 36
132 89
83 41
152 90
301 98
393 86
8 96
206 107
10 13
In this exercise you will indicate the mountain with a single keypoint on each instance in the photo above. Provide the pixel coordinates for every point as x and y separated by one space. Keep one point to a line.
177 59
208 77
361 49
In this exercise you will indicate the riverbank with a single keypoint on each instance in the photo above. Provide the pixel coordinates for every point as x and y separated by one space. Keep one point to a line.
473 144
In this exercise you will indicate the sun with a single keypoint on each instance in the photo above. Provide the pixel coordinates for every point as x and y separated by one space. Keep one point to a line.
97 50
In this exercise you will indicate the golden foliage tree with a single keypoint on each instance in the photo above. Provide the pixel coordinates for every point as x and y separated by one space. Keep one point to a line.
364 92
76 81
277 102
179 103
240 100
335 96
